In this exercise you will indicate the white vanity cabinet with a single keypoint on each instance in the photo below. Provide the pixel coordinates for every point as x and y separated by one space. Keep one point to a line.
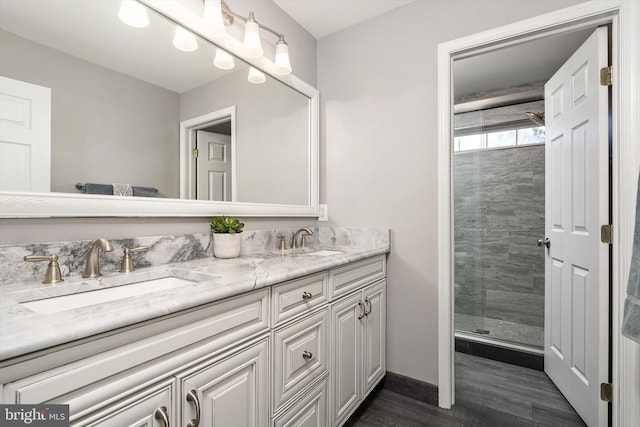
358 336
300 353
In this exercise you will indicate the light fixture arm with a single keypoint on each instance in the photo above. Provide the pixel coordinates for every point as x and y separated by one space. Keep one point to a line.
229 15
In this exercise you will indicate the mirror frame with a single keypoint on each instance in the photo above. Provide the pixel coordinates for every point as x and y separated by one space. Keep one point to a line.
51 205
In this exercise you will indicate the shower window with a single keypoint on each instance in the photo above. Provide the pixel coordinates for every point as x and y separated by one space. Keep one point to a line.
499 139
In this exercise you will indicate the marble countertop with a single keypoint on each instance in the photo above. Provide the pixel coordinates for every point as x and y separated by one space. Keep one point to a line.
23 331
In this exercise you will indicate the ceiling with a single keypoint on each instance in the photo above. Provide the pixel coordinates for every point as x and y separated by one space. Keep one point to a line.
324 17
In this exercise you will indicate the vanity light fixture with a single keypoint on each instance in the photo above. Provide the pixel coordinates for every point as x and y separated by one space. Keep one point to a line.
283 65
256 76
184 39
133 14
223 60
252 40
252 43
213 17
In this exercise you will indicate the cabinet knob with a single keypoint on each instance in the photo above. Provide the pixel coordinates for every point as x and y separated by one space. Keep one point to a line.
307 295
162 414
307 355
192 396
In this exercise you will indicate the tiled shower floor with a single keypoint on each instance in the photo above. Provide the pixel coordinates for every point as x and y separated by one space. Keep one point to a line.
516 333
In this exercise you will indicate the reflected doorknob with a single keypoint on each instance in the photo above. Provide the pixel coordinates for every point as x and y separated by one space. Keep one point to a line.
546 242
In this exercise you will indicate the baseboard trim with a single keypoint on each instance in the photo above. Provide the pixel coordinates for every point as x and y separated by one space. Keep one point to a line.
501 354
410 387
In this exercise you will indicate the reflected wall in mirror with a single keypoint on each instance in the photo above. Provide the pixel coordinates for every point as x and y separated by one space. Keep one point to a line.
118 97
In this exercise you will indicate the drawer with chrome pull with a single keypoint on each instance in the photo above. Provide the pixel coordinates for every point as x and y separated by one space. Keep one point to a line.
298 297
300 354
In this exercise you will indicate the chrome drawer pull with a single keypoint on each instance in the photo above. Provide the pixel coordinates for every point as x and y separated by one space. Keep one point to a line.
192 396
307 355
307 295
367 301
161 414
363 311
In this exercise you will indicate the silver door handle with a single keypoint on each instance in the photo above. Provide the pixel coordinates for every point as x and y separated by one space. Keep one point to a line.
307 355
161 414
192 396
546 242
367 301
363 310
307 295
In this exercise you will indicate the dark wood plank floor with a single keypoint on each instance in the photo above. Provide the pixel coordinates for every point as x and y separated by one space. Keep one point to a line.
488 393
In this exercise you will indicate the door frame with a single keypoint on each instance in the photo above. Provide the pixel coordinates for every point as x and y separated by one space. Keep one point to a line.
188 130
624 16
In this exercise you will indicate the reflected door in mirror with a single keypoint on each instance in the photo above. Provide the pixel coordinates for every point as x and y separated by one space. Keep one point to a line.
25 136
213 166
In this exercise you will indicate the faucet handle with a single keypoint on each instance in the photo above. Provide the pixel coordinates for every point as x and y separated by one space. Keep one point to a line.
283 244
127 262
53 274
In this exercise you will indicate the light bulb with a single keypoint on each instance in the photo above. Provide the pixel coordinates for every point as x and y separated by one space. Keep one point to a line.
133 14
283 65
184 40
223 60
213 17
256 76
252 44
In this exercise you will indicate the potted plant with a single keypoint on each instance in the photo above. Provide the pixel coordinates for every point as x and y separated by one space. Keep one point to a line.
226 236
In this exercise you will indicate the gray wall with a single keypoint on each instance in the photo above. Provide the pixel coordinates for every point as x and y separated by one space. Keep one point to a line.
378 86
105 126
499 216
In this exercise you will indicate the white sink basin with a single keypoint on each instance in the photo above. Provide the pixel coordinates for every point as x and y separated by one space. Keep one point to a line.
323 252
85 299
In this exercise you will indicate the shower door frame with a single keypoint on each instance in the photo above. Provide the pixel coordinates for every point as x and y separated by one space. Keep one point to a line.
624 16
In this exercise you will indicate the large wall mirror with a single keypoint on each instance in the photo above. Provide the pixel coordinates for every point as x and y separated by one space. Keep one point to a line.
103 119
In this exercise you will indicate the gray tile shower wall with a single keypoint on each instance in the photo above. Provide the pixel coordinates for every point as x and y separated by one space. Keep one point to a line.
499 216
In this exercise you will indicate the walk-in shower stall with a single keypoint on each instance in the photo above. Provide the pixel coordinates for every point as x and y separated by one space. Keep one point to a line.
498 217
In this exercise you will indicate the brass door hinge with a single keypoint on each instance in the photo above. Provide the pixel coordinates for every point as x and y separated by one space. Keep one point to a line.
195 153
606 234
606 392
605 76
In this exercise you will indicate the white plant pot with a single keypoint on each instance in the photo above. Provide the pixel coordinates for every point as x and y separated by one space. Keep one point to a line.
226 245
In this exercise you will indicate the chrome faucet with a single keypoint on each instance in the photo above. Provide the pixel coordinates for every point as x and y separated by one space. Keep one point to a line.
92 268
303 243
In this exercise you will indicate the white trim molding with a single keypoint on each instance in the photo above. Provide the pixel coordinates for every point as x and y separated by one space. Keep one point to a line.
624 16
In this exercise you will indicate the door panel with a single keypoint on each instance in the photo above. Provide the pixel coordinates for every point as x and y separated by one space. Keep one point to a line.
25 136
576 265
214 166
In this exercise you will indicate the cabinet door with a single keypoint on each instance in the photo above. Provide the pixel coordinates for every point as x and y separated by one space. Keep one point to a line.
153 407
346 327
232 392
374 346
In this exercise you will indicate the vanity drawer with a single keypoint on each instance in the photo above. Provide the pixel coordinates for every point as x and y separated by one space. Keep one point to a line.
343 280
300 356
298 296
310 411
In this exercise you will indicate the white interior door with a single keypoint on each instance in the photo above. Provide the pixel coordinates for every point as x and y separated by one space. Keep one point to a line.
576 262
214 166
25 136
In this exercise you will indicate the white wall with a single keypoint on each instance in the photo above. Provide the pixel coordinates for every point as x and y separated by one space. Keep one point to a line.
378 86
302 49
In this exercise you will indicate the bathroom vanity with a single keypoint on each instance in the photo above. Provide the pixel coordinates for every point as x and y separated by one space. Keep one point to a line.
274 338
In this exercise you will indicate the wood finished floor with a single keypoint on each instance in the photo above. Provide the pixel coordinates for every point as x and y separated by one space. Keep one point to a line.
488 393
